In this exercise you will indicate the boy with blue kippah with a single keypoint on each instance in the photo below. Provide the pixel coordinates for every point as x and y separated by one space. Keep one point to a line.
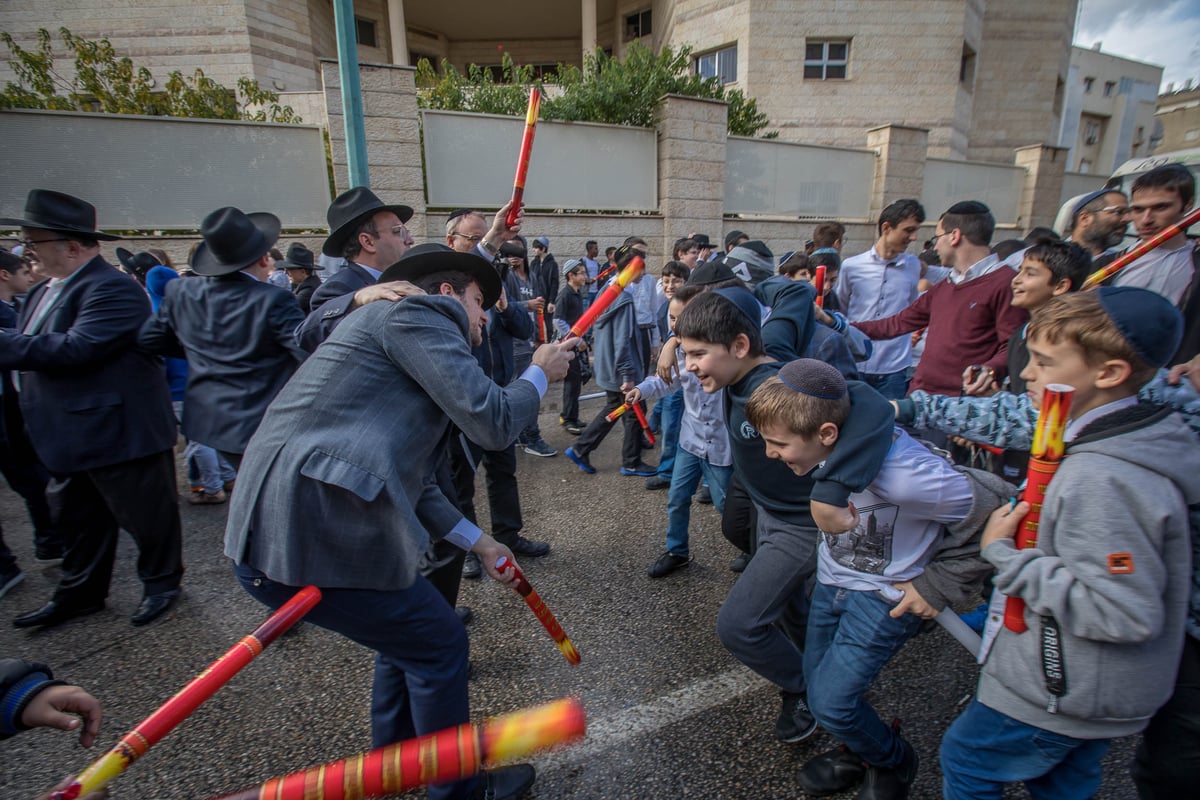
1106 587
913 551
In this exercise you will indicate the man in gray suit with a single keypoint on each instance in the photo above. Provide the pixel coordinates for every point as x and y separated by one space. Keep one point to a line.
350 505
235 330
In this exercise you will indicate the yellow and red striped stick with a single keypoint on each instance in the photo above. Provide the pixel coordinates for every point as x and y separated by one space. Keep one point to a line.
631 273
538 606
531 118
153 728
1139 250
615 414
604 273
1045 455
819 284
449 755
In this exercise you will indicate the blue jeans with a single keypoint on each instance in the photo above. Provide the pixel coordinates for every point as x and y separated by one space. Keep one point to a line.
984 750
684 480
420 656
672 420
892 385
850 638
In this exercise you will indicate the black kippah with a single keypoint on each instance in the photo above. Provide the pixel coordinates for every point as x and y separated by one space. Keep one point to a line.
969 207
813 378
459 212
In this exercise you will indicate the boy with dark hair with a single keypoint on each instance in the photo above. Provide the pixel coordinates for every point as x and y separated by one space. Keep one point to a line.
1106 587
667 415
828 235
719 334
568 308
877 583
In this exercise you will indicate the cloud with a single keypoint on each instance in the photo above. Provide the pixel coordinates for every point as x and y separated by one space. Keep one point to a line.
1164 32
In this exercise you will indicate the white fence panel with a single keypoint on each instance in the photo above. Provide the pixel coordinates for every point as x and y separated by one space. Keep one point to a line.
1077 183
164 173
470 160
768 177
996 185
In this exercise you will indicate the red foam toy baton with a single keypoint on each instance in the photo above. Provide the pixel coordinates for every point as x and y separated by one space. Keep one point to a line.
153 728
819 285
1044 457
536 604
448 755
531 118
1139 250
631 273
641 416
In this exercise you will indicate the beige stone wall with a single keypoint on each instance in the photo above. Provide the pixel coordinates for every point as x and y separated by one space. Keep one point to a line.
691 166
281 45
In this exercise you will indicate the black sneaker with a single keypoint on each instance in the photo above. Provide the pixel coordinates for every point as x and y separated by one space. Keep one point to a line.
640 470
574 427
472 568
796 723
831 772
657 482
891 784
581 461
666 564
529 548
704 496
505 783
539 447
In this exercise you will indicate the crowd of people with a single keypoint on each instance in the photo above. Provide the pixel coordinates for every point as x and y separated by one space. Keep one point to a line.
862 439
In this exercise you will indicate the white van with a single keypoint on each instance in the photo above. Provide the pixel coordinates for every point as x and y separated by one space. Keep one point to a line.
1126 174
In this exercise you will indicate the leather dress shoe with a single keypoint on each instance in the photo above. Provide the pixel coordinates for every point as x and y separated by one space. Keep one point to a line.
529 548
154 606
506 783
54 613
831 772
464 614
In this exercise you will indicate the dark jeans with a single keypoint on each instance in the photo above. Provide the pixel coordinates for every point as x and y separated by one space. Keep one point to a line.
521 362
139 496
598 428
443 561
28 478
420 656
738 519
1167 764
892 385
572 386
504 501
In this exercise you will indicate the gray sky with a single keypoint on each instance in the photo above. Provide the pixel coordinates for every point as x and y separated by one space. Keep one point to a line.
1163 32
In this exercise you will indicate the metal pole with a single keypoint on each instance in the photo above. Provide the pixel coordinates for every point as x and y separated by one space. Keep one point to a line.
352 108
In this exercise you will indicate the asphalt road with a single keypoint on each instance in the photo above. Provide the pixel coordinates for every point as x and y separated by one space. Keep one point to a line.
670 713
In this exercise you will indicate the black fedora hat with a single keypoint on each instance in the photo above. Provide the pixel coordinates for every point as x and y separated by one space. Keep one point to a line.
299 257
137 264
233 240
55 211
349 209
426 259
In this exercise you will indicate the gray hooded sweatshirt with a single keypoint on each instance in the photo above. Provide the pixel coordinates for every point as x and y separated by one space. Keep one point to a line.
1112 571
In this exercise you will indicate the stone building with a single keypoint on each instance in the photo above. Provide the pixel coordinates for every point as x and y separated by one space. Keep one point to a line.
1179 114
982 76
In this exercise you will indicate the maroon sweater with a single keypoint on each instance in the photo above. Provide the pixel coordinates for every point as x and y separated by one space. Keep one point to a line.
969 323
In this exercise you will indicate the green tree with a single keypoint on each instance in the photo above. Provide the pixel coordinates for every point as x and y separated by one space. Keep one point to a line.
104 81
619 92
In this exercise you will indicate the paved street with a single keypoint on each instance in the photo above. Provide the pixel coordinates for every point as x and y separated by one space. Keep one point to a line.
671 715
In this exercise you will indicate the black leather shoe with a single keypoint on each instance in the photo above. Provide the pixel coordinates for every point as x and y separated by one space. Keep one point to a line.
831 772
891 784
506 783
472 568
657 482
54 613
529 548
795 723
465 614
154 606
667 563
704 496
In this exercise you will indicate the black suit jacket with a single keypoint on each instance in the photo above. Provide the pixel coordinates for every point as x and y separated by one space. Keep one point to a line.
89 395
304 292
330 304
237 334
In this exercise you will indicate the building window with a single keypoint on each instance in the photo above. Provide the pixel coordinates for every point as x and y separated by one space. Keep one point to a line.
638 25
1087 85
720 64
364 32
1091 133
1192 135
966 68
1085 166
1109 88
826 60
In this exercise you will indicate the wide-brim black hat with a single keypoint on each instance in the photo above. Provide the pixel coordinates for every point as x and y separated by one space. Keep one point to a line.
233 240
349 210
426 259
299 257
137 263
56 211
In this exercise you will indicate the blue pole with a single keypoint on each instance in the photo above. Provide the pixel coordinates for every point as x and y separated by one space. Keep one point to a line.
352 108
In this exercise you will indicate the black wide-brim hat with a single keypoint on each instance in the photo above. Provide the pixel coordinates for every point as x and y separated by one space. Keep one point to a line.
299 257
137 263
233 240
56 211
426 259
349 210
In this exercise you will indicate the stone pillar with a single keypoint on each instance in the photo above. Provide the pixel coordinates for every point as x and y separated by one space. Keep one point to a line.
398 32
1040 197
691 167
588 36
900 167
393 134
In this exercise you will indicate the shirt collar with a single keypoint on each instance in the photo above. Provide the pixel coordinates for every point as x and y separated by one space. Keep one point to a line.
977 270
1076 425
374 273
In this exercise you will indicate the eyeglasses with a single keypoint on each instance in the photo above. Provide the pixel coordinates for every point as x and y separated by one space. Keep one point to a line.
1120 211
937 236
397 230
33 245
470 237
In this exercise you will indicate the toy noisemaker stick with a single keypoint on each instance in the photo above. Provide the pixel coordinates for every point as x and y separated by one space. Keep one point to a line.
1044 458
535 603
541 326
631 273
531 118
609 270
153 728
641 416
448 755
617 412
1139 250
819 285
